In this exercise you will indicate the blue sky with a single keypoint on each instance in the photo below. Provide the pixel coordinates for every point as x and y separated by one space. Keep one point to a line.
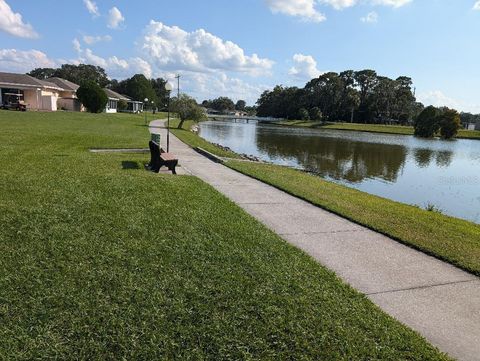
240 48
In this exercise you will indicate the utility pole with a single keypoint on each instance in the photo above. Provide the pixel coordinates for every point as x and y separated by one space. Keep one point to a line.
178 85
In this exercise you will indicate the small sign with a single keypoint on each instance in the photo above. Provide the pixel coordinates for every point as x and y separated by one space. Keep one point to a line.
156 138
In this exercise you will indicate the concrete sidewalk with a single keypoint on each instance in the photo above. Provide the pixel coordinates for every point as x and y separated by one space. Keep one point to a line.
434 298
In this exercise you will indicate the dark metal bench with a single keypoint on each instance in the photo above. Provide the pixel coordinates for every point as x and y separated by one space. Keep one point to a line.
159 158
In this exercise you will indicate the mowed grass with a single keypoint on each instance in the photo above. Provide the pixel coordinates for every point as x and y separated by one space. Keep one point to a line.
451 239
371 128
187 136
101 260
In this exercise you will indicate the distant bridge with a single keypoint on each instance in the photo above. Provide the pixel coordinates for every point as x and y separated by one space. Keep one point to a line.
247 118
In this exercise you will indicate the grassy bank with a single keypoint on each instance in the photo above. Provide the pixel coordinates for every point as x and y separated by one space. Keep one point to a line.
101 260
190 138
370 128
451 239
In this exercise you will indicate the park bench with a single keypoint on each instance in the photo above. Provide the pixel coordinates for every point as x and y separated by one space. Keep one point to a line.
159 158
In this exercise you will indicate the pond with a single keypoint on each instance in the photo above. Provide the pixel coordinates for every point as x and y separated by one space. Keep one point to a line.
444 174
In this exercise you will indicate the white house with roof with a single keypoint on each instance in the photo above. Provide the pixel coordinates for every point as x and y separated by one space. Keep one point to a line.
133 106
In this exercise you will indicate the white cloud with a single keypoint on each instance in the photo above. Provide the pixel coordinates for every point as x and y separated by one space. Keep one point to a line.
115 18
172 48
114 66
339 4
305 67
439 99
209 86
304 9
91 7
19 61
476 6
89 39
12 23
392 3
371 17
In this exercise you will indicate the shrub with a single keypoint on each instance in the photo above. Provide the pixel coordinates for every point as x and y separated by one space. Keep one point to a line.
303 114
93 97
122 105
316 114
427 123
450 123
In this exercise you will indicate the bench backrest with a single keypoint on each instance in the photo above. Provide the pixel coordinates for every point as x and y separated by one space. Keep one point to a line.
154 155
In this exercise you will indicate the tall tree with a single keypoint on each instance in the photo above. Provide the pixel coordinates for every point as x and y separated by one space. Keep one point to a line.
83 73
241 104
138 87
42 73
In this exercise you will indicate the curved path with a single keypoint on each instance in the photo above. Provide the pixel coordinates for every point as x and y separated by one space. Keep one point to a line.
436 299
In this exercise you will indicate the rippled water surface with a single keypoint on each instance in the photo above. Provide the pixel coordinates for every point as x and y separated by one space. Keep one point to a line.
403 168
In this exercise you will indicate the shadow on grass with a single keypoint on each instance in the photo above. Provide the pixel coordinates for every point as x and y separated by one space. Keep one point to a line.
130 165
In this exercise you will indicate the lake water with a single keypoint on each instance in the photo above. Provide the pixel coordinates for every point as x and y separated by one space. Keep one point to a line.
421 172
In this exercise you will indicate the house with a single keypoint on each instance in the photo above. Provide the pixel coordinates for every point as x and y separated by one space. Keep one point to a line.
52 94
68 95
35 94
133 106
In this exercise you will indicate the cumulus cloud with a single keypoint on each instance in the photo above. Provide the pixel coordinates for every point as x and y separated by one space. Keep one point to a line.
439 99
305 67
89 39
12 23
476 6
303 9
114 66
339 4
115 18
392 3
172 48
208 86
19 61
371 17
91 7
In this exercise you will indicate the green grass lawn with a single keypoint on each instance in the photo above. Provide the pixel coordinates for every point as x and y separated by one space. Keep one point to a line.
451 239
370 128
101 260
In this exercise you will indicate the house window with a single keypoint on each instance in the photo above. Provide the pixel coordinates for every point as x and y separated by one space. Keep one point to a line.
112 104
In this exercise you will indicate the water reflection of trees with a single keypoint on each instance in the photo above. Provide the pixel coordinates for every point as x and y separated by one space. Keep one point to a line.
424 157
336 157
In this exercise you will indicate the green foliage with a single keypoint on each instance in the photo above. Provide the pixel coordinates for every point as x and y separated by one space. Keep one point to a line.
187 109
93 97
122 105
42 73
221 104
316 114
140 88
361 95
77 74
241 104
449 123
303 114
427 123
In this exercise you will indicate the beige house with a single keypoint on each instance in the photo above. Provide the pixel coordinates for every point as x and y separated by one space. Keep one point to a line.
34 93
53 94
67 99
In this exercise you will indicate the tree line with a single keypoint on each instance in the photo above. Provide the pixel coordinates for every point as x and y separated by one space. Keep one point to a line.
350 96
138 87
